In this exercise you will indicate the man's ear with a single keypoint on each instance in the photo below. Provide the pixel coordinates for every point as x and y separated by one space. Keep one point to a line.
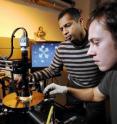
81 20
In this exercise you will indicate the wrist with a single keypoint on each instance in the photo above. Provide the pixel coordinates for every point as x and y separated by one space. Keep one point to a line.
68 89
31 78
65 89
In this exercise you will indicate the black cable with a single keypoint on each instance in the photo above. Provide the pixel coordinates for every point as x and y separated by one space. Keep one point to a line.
12 37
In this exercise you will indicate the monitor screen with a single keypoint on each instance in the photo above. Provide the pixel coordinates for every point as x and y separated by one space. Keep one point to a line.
42 53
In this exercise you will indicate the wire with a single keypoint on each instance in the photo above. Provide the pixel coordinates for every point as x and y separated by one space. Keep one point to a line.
13 36
50 114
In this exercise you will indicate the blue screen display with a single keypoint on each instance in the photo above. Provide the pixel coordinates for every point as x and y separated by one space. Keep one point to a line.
42 53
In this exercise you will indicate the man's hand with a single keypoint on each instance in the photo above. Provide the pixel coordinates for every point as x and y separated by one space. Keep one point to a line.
54 89
17 78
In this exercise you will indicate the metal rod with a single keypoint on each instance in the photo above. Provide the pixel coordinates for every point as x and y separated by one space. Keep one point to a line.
5 61
8 69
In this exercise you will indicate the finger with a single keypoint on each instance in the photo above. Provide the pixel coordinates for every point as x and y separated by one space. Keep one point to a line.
45 90
53 92
49 87
19 79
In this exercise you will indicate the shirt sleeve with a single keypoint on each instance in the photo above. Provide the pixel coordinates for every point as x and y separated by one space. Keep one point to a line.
105 84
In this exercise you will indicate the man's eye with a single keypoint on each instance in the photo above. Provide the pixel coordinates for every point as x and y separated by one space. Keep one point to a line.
67 25
96 43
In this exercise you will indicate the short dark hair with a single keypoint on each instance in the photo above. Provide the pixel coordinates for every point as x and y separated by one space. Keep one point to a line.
108 12
73 12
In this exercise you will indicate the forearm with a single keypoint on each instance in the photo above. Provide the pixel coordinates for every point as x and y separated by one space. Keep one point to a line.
43 74
88 94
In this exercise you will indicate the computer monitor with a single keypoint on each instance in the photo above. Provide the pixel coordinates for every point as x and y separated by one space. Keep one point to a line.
42 53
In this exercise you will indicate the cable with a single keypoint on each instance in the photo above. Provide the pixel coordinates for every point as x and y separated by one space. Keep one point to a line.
35 118
50 114
13 36
71 119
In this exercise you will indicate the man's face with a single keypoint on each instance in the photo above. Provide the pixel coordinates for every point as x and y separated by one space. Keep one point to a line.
102 46
70 29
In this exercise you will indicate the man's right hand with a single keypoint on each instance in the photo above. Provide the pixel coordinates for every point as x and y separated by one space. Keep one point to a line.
54 89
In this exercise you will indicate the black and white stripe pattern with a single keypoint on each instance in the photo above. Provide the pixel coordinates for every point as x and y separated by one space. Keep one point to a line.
78 64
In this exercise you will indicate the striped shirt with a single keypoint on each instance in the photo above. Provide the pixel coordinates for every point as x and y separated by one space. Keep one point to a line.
80 67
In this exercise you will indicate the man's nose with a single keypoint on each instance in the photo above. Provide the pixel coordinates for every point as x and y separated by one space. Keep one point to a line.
65 32
91 51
